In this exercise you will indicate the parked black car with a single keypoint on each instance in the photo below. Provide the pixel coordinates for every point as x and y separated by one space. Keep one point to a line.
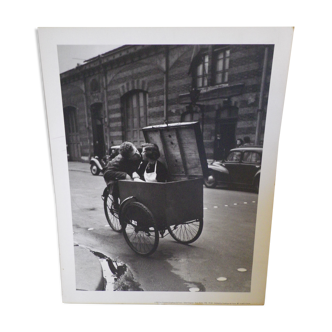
241 168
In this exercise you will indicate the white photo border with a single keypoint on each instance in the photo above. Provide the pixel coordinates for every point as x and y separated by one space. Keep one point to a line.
50 38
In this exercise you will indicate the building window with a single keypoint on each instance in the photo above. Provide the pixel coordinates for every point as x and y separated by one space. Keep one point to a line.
134 105
212 71
94 86
202 70
222 66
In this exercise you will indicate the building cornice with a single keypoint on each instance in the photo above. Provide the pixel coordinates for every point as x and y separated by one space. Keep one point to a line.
110 60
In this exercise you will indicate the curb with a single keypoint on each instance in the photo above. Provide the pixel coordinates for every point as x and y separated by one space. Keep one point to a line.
89 274
97 272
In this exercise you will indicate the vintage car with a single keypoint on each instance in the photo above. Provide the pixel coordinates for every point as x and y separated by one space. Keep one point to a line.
241 168
97 164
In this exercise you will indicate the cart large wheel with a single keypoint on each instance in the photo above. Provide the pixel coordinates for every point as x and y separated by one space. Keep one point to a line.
186 232
112 214
139 228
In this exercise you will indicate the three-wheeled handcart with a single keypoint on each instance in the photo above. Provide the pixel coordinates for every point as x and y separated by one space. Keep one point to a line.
149 209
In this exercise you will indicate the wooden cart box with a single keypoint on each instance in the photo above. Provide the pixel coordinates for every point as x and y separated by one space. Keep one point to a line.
182 151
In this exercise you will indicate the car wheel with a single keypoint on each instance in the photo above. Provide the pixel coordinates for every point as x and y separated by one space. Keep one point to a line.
94 169
210 181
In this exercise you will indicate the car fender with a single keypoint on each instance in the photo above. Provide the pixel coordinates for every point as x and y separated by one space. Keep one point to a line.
219 168
256 176
96 162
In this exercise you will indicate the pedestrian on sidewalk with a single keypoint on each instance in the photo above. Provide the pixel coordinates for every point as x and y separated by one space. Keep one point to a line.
246 140
239 142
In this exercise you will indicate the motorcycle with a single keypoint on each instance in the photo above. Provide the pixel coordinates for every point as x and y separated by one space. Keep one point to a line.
97 164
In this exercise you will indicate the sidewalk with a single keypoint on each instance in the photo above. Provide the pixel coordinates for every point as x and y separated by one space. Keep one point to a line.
89 274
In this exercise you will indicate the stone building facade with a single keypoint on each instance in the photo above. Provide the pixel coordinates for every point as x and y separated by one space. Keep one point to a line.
112 96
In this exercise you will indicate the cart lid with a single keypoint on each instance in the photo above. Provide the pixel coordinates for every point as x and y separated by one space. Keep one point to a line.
181 148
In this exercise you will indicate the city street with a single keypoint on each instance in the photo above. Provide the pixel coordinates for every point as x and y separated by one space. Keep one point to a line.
223 251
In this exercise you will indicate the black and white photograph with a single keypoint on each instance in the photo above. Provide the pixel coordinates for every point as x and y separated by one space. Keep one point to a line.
167 150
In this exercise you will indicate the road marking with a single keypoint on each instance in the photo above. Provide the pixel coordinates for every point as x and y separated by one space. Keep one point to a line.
90 229
221 279
194 289
241 269
216 207
107 225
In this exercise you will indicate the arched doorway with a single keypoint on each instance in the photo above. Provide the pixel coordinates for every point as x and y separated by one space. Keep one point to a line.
97 129
72 135
134 107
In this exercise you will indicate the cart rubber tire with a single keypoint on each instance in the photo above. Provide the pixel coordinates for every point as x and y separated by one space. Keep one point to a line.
187 232
112 215
139 229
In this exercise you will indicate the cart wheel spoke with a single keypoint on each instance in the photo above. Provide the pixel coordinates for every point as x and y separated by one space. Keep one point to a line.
140 230
187 232
112 214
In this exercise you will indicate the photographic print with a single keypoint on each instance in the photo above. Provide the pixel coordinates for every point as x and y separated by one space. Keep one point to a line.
164 146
